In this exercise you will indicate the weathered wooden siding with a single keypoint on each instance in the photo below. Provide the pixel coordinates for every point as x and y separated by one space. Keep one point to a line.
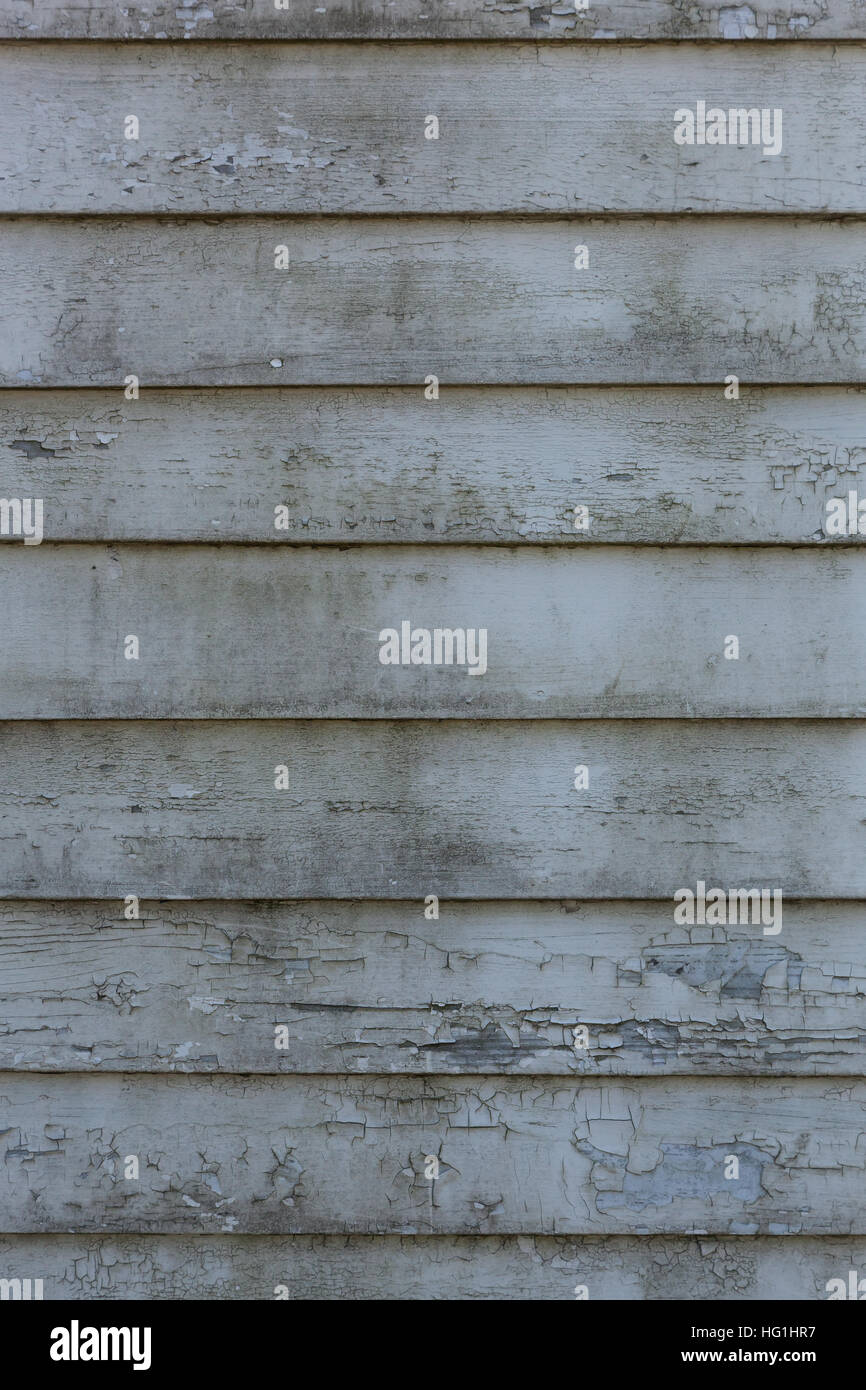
610 632
391 300
493 465
527 1155
502 1267
375 986
396 809
302 916
437 19
340 128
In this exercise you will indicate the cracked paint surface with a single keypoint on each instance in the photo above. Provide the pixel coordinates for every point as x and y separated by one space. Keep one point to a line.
376 988
546 1156
536 20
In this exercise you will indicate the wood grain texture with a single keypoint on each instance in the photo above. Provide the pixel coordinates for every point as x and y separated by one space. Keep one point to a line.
304 1168
340 128
403 809
540 1268
493 988
535 1156
607 633
653 464
389 301
438 19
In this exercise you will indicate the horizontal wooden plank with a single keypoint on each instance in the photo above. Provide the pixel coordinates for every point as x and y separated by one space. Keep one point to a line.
540 1268
495 464
490 988
342 128
418 19
392 301
408 808
547 1156
321 633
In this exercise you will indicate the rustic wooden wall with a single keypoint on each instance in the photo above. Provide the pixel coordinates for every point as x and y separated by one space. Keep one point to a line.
149 785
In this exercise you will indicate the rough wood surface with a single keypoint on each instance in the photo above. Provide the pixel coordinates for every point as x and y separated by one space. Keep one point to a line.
408 808
301 1169
438 19
653 464
535 1156
609 633
340 128
540 1268
377 987
391 301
